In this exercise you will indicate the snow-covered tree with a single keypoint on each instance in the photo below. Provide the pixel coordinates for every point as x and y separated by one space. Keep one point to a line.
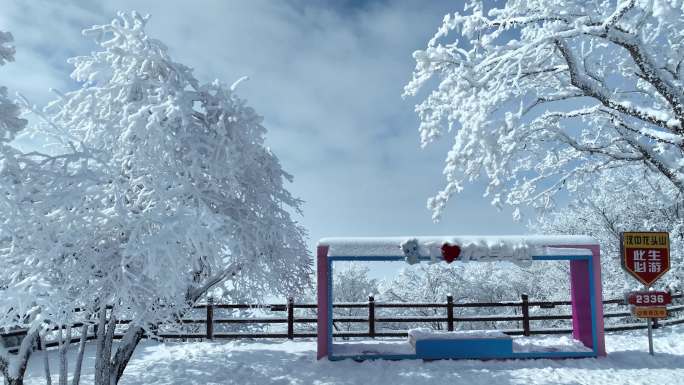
351 283
422 283
544 95
11 366
10 121
614 205
465 282
165 191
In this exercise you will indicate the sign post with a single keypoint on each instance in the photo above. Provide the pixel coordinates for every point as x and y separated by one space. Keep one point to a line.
646 257
649 305
650 335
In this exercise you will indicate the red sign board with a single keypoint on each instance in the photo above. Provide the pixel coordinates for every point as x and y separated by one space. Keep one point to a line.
645 255
649 298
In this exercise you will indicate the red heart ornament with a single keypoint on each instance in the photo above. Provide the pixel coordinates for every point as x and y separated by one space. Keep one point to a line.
450 253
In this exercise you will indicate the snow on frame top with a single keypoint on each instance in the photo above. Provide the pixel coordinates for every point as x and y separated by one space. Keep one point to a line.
469 247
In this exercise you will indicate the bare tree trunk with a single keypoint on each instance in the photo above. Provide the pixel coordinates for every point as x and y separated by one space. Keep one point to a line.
107 353
100 359
125 350
46 365
105 366
60 355
110 372
79 359
13 367
63 359
108 369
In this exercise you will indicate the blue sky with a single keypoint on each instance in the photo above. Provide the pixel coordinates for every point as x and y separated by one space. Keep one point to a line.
326 76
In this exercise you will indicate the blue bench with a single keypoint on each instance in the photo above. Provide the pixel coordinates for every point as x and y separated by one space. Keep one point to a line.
462 344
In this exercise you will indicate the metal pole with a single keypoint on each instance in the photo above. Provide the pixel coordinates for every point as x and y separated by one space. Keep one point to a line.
649 321
650 336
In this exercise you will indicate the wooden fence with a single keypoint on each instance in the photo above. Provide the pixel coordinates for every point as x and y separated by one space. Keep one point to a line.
449 318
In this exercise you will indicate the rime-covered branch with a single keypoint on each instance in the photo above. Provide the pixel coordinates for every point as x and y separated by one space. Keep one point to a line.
546 87
593 88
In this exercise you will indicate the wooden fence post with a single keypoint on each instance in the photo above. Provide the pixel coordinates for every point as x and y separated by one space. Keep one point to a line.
371 316
525 314
210 318
450 313
290 318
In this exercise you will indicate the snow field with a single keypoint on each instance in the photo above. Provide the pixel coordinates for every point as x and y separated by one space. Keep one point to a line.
293 362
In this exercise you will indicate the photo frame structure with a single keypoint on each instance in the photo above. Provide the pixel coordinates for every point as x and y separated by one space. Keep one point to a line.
581 252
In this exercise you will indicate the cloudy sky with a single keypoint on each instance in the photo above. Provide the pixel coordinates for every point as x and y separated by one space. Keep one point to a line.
326 75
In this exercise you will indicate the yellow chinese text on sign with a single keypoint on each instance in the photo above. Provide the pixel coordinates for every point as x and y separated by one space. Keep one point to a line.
650 312
654 240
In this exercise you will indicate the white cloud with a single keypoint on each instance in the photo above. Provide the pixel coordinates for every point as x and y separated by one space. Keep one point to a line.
328 81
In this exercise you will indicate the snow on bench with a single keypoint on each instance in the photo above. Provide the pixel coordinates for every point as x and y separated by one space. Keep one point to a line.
548 344
422 334
373 347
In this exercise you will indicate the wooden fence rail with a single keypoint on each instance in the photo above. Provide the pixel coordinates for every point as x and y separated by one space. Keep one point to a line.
372 319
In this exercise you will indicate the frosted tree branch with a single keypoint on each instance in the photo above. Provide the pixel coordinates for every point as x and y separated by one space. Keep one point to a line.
534 90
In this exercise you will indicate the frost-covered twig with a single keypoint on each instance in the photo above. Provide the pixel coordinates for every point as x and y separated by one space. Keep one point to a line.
509 101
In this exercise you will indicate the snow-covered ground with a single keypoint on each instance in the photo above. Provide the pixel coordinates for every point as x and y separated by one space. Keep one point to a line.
289 362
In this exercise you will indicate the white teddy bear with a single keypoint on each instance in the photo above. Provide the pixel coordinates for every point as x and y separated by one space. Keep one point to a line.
411 251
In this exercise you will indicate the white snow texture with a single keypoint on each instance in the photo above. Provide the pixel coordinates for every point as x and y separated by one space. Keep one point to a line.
294 362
